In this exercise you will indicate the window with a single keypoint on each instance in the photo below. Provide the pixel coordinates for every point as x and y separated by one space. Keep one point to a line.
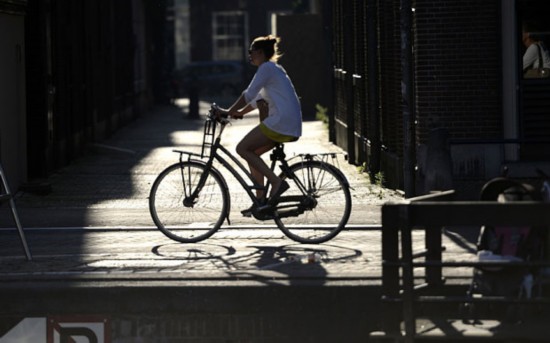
534 103
230 35
533 19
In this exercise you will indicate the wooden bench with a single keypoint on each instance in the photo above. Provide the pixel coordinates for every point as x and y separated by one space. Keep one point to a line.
404 291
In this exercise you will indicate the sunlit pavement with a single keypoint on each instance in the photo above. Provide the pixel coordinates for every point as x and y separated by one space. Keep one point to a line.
96 252
241 254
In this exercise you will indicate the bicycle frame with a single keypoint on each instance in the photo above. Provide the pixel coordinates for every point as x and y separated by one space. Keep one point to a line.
317 190
214 155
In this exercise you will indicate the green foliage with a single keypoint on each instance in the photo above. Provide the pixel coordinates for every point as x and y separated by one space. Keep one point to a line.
379 179
376 181
321 113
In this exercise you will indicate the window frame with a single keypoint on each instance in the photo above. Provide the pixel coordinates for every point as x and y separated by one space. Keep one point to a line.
221 53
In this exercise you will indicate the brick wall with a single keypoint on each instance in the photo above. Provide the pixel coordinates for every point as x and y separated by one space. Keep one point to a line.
457 75
390 76
458 82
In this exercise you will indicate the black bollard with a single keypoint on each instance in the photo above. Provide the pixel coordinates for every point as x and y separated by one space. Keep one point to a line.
194 98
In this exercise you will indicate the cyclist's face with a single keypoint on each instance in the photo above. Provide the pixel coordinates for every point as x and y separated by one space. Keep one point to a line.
256 56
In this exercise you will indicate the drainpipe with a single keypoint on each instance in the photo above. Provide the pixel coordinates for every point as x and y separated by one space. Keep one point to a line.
407 92
349 82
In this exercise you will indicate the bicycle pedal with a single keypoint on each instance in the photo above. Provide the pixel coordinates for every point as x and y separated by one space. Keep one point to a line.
264 212
263 216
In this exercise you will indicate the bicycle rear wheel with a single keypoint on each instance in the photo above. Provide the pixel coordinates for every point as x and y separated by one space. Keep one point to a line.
180 216
322 212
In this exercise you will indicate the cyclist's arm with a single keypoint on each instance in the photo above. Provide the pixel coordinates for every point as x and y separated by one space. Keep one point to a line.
260 79
240 108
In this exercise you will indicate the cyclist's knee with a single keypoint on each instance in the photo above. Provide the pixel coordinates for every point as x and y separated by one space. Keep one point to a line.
245 147
241 149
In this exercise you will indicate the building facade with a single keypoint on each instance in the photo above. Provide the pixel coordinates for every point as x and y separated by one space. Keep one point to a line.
461 75
222 30
73 73
89 70
13 144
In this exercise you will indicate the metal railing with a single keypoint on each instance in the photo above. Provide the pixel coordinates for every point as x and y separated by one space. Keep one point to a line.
7 196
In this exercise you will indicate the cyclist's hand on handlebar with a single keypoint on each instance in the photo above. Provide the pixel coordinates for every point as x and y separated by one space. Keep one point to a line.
236 115
223 114
220 113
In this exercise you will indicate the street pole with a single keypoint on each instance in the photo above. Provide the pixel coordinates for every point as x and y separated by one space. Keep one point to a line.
407 92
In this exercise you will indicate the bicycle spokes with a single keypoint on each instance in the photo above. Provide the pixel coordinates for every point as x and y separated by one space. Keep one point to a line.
317 205
186 206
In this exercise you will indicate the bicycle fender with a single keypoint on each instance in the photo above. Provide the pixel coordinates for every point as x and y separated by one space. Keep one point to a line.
328 165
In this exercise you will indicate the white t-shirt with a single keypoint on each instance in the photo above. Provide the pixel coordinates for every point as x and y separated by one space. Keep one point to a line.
531 57
272 84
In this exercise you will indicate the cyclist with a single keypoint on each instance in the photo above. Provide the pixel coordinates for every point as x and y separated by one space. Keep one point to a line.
270 86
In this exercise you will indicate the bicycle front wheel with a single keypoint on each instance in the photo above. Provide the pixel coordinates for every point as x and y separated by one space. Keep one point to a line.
188 202
321 211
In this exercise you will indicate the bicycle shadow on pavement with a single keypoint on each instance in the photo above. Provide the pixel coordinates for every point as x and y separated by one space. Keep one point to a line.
268 264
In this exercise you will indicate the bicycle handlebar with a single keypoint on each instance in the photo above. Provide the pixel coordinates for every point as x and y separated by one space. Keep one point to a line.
213 115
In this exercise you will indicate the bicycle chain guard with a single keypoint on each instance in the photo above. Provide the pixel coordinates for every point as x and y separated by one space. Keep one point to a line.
301 205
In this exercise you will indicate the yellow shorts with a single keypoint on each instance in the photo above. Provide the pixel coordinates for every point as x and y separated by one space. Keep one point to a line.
275 136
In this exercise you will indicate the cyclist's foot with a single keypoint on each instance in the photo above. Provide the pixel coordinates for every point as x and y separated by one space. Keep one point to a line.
275 195
248 211
254 207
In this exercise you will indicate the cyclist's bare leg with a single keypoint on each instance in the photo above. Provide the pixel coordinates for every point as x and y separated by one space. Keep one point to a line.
256 175
259 180
250 148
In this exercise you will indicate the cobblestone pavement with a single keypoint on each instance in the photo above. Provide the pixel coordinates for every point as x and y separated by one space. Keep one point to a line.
103 198
110 185
231 254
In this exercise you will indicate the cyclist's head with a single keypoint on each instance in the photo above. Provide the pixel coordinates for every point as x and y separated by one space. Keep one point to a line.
269 45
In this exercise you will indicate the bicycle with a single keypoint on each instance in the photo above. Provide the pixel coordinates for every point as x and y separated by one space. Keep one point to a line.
190 200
